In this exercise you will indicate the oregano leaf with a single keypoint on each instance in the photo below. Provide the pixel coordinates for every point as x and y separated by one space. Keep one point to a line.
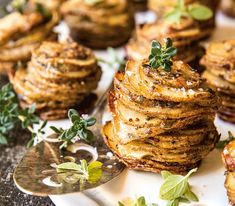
200 12
175 186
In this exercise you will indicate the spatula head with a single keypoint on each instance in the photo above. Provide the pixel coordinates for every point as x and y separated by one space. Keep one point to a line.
35 172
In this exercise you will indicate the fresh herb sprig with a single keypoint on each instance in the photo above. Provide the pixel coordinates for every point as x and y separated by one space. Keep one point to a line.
11 114
78 129
138 202
222 143
195 11
176 188
80 172
161 56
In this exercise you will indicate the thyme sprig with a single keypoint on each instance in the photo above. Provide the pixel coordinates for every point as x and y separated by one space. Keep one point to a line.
195 11
161 56
78 130
11 114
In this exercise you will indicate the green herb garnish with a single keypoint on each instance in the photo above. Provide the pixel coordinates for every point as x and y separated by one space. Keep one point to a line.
138 202
80 172
11 114
195 11
77 130
221 144
161 56
176 188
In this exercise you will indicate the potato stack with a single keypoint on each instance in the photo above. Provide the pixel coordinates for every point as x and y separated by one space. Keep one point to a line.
187 29
22 31
219 61
58 77
229 162
161 7
185 35
99 24
161 120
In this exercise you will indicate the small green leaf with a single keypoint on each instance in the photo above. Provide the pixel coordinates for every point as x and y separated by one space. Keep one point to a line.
165 174
84 166
72 112
32 109
43 125
183 200
190 195
175 186
174 202
141 201
156 45
69 166
3 139
55 129
90 121
94 171
169 43
120 204
200 12
30 142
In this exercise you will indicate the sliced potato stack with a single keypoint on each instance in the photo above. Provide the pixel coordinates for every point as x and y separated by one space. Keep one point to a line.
22 32
186 31
161 120
58 77
160 7
99 24
220 74
229 162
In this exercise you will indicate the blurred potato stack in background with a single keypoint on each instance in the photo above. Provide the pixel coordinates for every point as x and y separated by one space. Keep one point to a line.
24 28
219 61
99 24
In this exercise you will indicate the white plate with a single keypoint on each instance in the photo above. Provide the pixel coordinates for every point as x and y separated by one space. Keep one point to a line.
208 182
